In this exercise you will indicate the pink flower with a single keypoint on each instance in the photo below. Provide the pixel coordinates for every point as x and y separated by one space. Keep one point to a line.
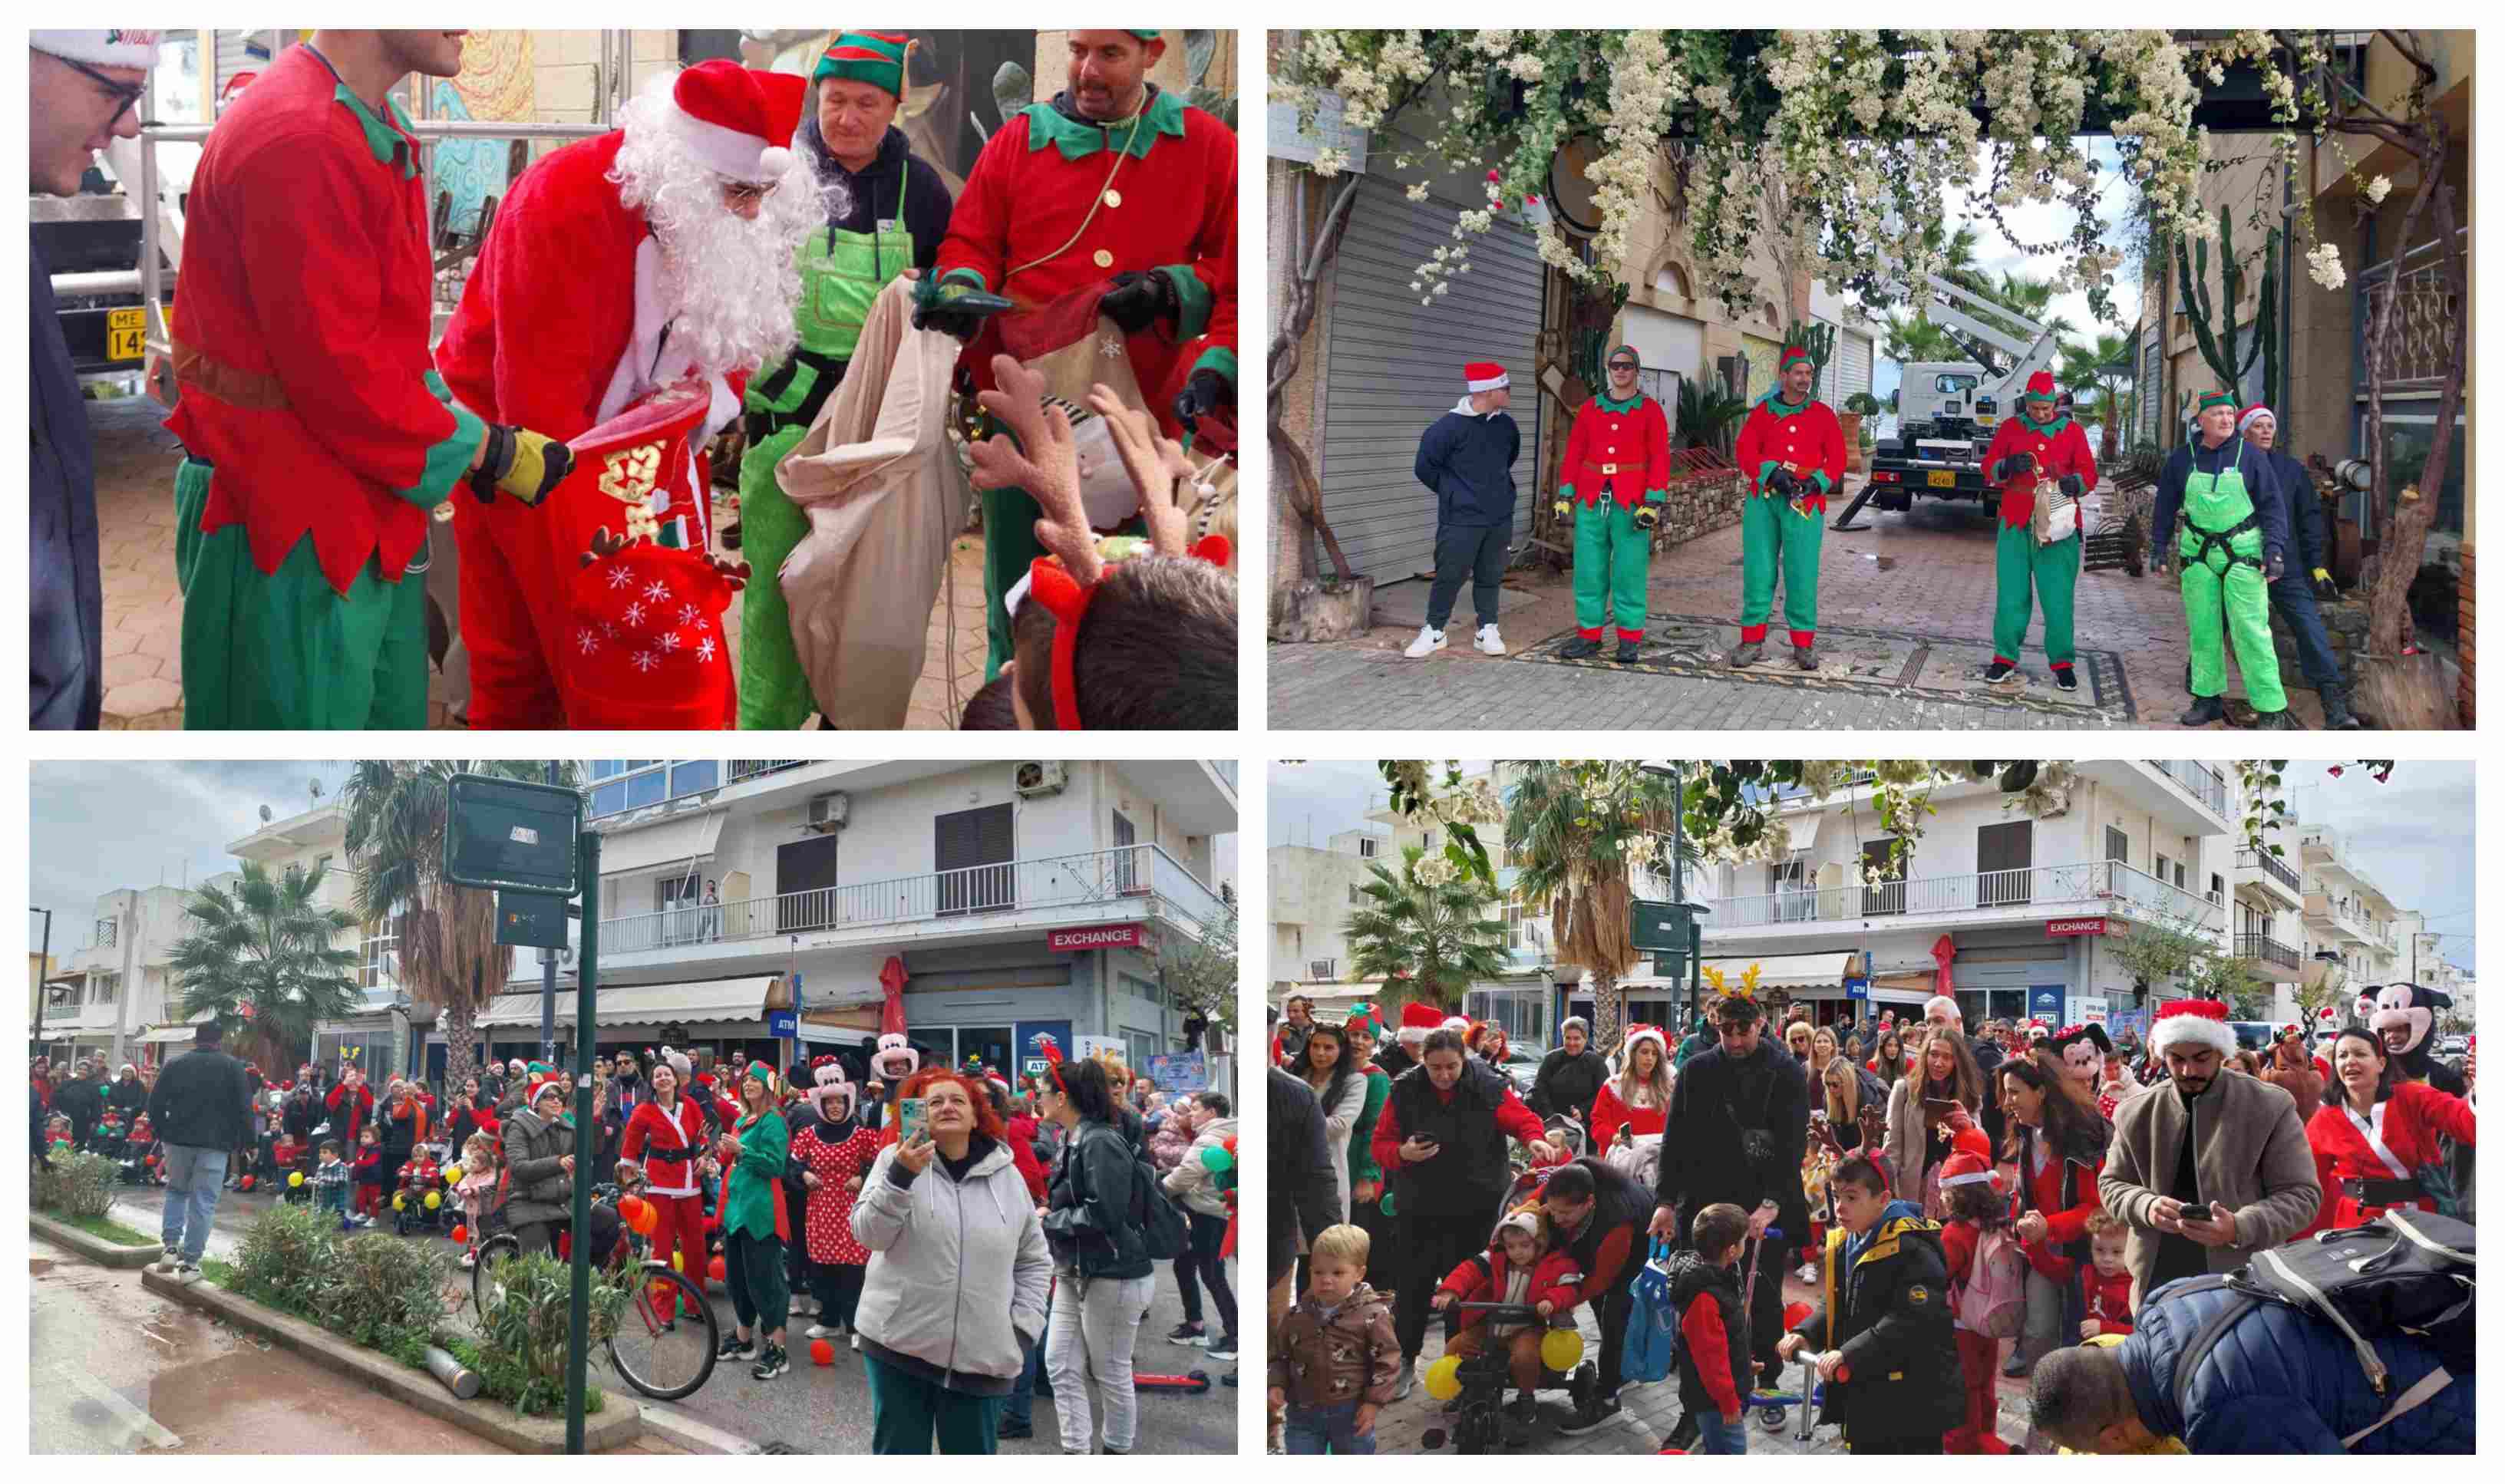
1492 175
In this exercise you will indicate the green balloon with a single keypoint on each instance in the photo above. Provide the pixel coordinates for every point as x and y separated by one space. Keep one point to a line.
1215 1159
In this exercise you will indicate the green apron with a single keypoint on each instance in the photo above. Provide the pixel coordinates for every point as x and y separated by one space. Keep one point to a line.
841 275
2220 552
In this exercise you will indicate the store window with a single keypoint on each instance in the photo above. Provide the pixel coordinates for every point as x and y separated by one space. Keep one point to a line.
641 783
992 1042
1138 1046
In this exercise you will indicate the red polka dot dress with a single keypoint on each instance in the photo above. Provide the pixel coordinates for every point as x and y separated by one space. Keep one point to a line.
831 1205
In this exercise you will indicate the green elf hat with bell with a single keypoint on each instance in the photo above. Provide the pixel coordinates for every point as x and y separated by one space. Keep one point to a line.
876 57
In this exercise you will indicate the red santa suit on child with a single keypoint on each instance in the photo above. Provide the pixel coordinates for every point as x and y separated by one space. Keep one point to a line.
655 255
1969 1161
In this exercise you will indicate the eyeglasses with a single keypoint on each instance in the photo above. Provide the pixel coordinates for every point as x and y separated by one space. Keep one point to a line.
128 92
1619 366
739 193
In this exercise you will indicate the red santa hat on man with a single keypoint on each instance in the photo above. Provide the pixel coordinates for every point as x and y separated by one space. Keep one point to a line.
2192 1023
1485 376
737 121
1418 1021
119 47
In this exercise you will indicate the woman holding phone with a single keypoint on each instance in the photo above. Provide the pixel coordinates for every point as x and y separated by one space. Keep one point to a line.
2058 1140
954 1295
754 1225
1102 1276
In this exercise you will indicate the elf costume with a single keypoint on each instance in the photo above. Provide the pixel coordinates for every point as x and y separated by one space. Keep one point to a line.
896 212
2235 541
1057 203
2040 446
563 326
1617 465
1792 457
316 433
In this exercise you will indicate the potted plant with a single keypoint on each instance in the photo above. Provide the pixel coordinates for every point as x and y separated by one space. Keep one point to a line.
1856 442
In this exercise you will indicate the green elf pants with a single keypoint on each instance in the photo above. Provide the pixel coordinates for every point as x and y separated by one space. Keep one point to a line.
773 695
1613 560
284 652
1770 534
2025 568
2216 591
1009 548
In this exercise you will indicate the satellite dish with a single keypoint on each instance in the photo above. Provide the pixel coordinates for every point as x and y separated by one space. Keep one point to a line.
265 814
317 788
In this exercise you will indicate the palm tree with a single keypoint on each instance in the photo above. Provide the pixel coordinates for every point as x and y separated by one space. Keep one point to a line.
2107 364
451 961
1432 931
1707 413
1571 831
263 959
1920 339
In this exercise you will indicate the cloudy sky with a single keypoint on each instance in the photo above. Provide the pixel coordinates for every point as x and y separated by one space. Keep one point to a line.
101 827
2410 835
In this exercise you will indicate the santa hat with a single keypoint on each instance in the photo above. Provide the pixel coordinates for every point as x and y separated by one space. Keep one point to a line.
2037 1030
1485 376
1970 1162
2039 386
876 57
2214 400
2193 1022
1459 1025
1651 1033
100 49
2250 415
1418 1020
540 1087
1793 353
738 122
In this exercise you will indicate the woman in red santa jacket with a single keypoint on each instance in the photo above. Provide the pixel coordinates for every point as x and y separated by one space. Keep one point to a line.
2372 1138
352 1107
1638 1098
666 1132
2058 1142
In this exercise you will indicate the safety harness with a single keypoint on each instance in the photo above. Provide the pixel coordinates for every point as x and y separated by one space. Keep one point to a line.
2219 539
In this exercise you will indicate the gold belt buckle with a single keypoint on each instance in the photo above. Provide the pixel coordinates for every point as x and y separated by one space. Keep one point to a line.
1609 469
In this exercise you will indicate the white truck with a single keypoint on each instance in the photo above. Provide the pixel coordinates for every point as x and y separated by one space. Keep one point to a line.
1947 411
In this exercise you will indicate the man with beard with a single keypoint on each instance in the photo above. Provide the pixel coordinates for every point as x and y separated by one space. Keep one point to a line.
1116 181
657 254
885 214
1791 453
317 436
2210 1169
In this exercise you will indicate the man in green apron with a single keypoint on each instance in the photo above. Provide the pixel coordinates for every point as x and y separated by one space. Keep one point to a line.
2234 545
886 214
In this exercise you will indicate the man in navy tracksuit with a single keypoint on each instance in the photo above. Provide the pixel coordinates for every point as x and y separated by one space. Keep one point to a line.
2308 578
1467 458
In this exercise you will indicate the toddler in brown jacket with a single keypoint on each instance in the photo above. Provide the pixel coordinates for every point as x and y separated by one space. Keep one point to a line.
1336 1360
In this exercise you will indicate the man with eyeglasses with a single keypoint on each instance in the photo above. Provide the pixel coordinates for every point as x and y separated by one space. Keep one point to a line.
83 87
657 254
1617 469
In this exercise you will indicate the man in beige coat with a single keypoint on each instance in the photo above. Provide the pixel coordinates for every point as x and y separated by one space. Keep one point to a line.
2213 1136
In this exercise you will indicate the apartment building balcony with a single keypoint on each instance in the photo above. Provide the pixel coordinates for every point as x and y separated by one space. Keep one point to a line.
2344 918
2277 962
744 768
2201 780
1981 898
1130 883
2264 878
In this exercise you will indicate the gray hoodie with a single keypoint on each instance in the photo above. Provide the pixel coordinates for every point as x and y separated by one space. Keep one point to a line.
1190 1181
956 1272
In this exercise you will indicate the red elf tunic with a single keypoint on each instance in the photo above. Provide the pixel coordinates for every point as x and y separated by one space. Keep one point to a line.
2063 452
1809 441
2409 1124
1056 204
1636 442
830 1219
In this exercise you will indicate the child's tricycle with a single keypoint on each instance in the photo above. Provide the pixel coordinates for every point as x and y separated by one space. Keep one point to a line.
1478 1381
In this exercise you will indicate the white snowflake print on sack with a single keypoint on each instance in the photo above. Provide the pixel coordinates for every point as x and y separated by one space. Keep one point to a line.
704 649
646 660
670 640
687 615
634 614
586 641
620 576
655 590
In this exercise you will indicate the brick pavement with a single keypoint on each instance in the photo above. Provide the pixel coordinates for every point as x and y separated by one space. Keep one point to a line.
143 605
1927 572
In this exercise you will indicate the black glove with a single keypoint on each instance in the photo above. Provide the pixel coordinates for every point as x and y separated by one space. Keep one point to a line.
954 308
1205 393
2074 487
2017 464
2273 566
1782 483
1140 300
523 464
1647 517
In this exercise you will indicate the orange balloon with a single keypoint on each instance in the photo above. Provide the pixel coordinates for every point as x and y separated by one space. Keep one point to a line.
718 1272
629 1209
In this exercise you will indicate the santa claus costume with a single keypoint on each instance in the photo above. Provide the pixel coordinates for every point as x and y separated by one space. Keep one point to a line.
1617 472
669 1139
1058 202
1625 1102
1969 1163
2038 457
1792 454
655 255
2375 1160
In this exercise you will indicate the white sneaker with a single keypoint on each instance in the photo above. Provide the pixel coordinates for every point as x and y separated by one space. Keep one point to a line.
167 1263
820 1333
1428 642
1489 642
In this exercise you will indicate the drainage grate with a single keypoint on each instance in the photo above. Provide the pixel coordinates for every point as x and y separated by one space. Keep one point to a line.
780 1447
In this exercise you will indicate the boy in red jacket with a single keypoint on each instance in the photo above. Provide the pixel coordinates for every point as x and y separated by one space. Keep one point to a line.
1716 1370
1517 1268
2108 1281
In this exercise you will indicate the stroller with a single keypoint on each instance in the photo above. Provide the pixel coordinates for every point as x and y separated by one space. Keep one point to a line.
1481 1423
421 1177
289 1158
139 1159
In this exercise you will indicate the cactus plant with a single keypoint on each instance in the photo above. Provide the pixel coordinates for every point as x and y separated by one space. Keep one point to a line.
2220 343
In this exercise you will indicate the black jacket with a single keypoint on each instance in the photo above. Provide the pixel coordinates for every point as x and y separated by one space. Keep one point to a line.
1304 1190
1092 1205
1715 1102
1620 1205
1393 1060
2261 486
1694 1281
1892 1322
1467 461
202 1099
1566 1083
128 1095
1471 1169
2308 521
65 644
1986 1060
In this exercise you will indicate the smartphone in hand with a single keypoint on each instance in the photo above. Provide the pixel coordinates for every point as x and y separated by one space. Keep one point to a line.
909 1117
2198 1212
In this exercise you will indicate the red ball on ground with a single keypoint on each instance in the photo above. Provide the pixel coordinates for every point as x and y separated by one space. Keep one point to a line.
718 1271
460 1234
822 1351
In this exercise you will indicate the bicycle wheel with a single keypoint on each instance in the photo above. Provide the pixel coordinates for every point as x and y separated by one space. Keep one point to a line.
662 1359
485 1287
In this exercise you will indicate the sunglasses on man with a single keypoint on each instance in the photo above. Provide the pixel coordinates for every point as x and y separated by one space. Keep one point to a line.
128 92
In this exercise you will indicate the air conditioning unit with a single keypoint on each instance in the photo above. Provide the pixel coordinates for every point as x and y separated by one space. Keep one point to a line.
828 812
1041 780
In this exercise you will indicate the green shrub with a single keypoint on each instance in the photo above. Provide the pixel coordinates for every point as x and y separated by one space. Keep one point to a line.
522 1335
290 1259
75 1183
384 1293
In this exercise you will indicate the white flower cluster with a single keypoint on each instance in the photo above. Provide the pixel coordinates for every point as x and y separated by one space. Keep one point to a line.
2322 265
2378 189
1436 871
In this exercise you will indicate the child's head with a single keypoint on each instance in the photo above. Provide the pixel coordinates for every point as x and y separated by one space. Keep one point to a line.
330 1152
367 1139
2108 1241
630 1175
1523 1236
1157 649
1860 1191
1337 1263
990 709
1721 1229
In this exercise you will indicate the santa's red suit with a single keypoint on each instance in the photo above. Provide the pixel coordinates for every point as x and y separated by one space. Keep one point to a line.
669 1140
563 323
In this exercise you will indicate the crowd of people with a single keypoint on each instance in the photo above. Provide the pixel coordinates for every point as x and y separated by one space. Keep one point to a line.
1941 1193
976 1242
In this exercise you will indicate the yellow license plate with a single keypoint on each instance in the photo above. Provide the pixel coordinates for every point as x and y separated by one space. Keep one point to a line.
1943 478
125 335
1987 419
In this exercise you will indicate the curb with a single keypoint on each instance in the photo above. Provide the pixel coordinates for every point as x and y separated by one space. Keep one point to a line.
94 1248
677 1427
616 1424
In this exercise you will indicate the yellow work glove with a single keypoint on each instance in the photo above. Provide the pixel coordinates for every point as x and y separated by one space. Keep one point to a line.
523 464
2325 588
1647 516
1564 509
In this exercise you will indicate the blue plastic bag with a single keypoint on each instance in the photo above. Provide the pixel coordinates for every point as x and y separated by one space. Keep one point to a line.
1652 1352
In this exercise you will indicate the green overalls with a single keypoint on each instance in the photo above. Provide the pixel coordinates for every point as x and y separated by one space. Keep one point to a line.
2220 552
841 274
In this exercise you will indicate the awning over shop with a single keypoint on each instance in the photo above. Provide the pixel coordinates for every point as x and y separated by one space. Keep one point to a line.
643 1004
170 1035
668 842
1789 971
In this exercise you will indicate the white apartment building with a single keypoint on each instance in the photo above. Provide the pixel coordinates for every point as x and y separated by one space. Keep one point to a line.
2347 915
2015 911
1002 900
1312 892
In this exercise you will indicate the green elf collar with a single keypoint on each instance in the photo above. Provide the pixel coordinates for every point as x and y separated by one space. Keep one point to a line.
1775 406
2052 429
393 139
1628 405
1079 138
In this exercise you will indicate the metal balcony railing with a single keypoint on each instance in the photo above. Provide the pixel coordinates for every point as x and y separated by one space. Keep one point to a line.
745 768
2271 866
2135 893
2263 948
1126 874
62 1011
2199 780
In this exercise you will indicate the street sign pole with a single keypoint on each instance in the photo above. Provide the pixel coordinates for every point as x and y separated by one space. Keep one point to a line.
586 1032
548 982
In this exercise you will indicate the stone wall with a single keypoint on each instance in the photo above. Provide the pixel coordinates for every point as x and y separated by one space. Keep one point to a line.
2344 621
1697 511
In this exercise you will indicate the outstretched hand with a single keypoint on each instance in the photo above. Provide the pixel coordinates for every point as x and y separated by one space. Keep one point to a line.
1157 464
1042 461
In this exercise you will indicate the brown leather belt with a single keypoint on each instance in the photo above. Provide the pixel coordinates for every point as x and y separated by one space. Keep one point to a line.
252 391
1608 468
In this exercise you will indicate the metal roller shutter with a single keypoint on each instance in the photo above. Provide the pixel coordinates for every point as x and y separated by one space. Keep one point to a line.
1853 366
1395 366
